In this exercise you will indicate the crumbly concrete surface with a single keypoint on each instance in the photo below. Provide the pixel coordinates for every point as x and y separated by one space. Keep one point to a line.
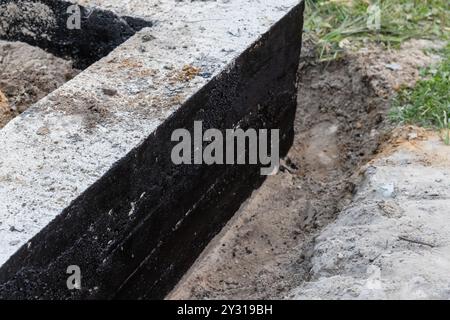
393 241
65 142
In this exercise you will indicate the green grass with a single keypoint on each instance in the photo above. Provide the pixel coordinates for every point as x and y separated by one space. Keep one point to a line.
428 103
334 22
336 25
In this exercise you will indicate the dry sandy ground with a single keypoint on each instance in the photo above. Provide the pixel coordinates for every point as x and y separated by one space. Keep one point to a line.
393 241
28 74
277 245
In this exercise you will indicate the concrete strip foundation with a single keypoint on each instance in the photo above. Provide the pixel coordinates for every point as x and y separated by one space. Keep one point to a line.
85 174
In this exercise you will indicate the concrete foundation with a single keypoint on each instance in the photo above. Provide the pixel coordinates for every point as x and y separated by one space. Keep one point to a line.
86 177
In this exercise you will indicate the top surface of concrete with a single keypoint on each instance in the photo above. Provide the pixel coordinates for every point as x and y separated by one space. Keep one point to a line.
66 141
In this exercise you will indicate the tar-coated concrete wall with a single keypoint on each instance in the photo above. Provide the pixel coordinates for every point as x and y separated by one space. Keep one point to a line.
140 226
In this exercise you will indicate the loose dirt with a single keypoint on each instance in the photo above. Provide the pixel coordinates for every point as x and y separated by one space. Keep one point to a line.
28 74
267 249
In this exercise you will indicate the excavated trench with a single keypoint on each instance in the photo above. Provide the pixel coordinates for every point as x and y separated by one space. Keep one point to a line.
133 247
140 225
39 53
265 250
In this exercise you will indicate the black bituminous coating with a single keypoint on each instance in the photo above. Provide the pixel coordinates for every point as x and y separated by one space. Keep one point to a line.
101 31
177 209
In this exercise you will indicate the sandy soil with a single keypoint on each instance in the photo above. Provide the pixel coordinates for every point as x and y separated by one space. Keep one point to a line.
393 241
267 249
28 74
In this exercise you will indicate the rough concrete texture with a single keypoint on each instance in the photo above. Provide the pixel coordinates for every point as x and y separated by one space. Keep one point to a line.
393 241
68 140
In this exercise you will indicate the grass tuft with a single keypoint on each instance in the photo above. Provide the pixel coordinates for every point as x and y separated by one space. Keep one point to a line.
336 23
428 103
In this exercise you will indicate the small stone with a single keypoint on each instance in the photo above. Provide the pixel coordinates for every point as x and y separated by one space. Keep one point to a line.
387 190
42 131
205 75
109 92
412 136
14 242
393 66
147 37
